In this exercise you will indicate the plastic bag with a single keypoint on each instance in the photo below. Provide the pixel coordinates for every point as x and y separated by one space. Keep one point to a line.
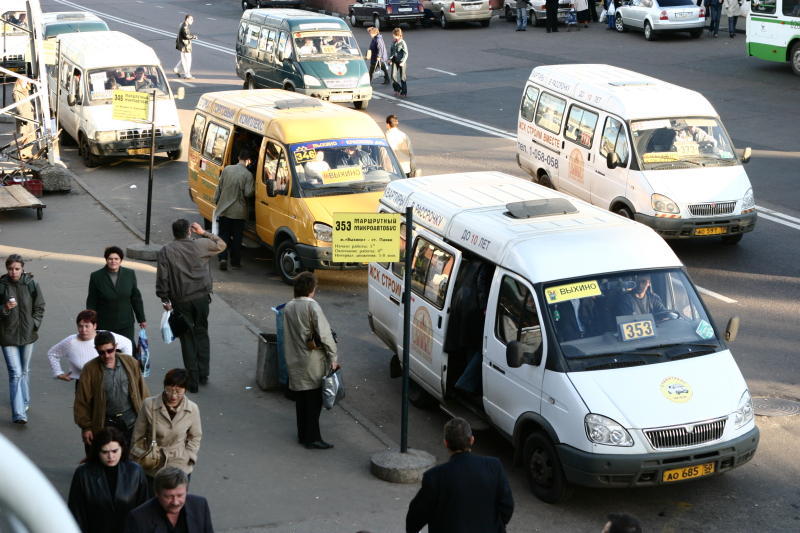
214 222
332 389
603 15
166 331
142 353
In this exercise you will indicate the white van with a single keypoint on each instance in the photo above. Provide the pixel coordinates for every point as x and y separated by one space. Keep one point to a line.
592 351
641 147
92 65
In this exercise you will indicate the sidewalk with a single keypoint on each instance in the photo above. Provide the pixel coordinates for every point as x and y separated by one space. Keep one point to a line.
254 474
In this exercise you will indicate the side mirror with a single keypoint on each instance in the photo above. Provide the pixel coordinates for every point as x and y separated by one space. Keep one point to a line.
732 330
747 154
271 188
516 356
71 100
180 94
612 160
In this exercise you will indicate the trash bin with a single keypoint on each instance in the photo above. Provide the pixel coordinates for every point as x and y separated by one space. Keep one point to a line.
267 362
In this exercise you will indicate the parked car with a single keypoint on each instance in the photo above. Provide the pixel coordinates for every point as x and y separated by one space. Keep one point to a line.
661 16
536 13
448 12
249 4
386 13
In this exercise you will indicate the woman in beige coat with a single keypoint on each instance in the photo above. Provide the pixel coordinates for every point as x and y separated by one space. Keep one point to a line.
310 354
177 420
732 10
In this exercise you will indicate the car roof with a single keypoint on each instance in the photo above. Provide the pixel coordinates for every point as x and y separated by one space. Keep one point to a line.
295 19
563 238
288 116
102 49
625 93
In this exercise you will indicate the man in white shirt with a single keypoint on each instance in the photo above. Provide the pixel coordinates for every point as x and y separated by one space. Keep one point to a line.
79 349
401 146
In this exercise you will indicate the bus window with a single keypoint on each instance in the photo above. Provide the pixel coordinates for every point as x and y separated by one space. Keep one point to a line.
196 136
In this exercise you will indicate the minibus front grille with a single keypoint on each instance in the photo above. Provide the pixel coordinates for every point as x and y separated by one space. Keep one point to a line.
712 209
14 57
687 434
131 135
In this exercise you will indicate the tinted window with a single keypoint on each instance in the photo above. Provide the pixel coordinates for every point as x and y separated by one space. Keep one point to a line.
516 313
196 137
766 7
549 112
580 126
216 140
791 8
430 273
529 103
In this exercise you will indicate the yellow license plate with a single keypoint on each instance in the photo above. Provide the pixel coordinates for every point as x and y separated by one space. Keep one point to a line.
716 230
637 330
138 151
690 472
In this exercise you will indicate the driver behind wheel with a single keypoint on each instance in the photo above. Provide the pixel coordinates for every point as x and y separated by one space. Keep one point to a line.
642 299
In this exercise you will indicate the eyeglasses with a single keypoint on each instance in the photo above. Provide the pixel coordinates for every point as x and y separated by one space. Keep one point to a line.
107 352
175 392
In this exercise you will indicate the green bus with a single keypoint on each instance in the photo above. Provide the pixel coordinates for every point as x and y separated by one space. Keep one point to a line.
773 31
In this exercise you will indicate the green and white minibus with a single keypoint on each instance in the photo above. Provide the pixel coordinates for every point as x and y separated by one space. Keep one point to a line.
773 31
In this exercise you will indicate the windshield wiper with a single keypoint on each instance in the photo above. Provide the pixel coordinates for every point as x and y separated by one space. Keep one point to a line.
616 354
659 166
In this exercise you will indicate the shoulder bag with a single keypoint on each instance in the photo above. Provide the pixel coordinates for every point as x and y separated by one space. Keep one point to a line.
154 459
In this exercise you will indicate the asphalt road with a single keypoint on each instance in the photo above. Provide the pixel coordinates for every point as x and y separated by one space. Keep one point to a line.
455 119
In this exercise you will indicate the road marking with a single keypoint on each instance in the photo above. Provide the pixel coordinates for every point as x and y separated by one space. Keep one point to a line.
186 83
442 71
779 221
716 295
211 18
780 218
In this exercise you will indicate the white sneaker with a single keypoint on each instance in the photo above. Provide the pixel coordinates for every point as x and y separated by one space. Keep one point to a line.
175 70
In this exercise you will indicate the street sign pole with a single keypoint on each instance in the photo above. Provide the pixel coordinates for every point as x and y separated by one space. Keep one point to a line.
406 330
150 176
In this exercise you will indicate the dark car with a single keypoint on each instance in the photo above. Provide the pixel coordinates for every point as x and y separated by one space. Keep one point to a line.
386 13
250 4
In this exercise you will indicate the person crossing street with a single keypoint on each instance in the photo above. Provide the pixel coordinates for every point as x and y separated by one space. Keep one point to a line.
183 44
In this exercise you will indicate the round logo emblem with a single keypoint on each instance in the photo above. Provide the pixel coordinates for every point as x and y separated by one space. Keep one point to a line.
676 390
340 69
422 333
576 165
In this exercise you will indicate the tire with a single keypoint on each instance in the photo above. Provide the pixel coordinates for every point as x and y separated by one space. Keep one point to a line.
544 180
536 21
89 159
376 22
361 104
624 212
485 23
696 34
443 22
794 58
543 469
649 34
618 25
249 83
510 16
289 87
39 213
419 397
287 262
732 240
354 22
174 155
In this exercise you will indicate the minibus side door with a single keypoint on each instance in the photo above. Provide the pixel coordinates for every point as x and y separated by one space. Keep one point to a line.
512 315
212 160
68 114
385 292
576 174
434 267
611 183
274 210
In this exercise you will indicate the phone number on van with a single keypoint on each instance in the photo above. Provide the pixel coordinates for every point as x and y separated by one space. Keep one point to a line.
539 155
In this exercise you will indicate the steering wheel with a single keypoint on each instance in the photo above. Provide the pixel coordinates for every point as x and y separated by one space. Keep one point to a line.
706 147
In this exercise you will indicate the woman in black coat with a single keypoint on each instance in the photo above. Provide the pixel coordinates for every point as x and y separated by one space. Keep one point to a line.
115 296
107 486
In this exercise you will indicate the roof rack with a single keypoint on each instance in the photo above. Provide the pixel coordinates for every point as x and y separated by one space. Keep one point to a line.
540 208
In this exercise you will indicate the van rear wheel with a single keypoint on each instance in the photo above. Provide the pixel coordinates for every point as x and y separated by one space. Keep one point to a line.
543 469
419 397
794 58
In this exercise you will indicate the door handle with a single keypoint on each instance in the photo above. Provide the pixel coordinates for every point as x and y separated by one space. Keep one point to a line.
599 172
494 366
589 157
439 324
395 301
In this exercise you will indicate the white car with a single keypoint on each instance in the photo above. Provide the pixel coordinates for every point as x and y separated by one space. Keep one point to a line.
661 16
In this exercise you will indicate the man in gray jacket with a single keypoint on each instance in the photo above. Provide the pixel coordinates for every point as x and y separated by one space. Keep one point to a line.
183 282
234 188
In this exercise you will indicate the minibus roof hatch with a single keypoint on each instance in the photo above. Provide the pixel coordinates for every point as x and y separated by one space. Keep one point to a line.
540 208
297 102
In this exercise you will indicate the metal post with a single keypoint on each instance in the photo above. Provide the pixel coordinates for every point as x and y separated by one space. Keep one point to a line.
406 330
150 177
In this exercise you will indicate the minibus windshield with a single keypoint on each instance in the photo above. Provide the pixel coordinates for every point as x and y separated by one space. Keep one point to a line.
52 30
324 45
339 166
670 143
629 319
19 18
140 78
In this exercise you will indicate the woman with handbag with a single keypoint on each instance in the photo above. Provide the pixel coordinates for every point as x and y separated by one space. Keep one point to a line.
310 351
107 486
168 428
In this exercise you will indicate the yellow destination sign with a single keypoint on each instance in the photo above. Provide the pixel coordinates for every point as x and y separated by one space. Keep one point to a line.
340 175
572 291
129 105
366 237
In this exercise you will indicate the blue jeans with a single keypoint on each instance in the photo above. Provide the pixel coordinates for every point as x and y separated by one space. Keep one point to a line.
732 25
18 361
715 12
522 18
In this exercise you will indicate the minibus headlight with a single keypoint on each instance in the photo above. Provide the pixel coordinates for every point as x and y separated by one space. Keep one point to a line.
744 412
105 136
603 430
748 202
311 81
662 204
323 232
364 79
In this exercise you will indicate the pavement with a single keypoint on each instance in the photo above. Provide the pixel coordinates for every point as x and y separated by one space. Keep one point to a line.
256 476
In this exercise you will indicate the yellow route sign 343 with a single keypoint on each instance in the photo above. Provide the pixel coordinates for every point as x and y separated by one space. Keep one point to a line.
366 237
129 105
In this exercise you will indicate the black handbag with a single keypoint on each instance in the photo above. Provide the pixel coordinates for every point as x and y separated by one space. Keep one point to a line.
178 324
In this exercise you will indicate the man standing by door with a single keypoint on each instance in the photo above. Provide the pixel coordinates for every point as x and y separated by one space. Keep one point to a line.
183 282
184 45
234 188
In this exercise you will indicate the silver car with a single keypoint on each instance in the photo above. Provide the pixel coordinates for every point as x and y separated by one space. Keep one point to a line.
661 16
449 12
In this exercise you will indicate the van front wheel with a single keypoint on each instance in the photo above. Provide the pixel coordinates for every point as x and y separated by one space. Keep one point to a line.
543 469
624 212
361 104
89 159
174 155
287 262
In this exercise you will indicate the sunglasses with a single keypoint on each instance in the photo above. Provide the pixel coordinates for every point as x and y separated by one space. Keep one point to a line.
107 352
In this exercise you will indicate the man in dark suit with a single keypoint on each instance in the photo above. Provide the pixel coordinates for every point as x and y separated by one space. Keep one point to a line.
114 295
172 509
467 494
